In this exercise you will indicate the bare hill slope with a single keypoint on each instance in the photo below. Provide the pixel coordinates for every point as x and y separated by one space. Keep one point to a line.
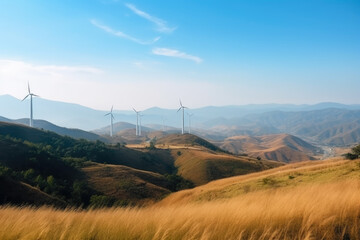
277 147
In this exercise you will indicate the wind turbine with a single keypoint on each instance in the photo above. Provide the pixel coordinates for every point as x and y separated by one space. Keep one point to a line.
137 121
183 119
111 120
31 105
190 115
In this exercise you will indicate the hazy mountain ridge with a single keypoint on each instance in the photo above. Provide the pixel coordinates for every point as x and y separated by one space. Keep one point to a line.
278 147
315 123
45 125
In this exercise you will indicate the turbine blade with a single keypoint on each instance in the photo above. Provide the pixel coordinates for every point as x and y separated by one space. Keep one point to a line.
111 108
179 109
134 110
25 97
180 102
29 87
112 116
106 114
34 95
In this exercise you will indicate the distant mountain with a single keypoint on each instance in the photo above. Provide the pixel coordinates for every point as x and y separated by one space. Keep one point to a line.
60 113
345 134
318 126
45 125
76 116
278 147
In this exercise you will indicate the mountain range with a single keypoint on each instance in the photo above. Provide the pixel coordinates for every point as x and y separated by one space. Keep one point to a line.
331 124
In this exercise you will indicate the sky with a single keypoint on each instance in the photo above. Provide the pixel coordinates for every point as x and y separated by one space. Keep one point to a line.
142 54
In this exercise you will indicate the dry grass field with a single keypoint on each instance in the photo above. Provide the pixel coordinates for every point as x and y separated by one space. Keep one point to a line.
320 211
324 203
287 176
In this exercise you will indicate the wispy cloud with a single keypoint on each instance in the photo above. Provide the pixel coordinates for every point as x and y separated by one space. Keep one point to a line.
121 34
161 24
12 66
175 53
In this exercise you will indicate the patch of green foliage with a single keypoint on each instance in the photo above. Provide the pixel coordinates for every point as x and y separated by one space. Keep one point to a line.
177 183
354 154
52 163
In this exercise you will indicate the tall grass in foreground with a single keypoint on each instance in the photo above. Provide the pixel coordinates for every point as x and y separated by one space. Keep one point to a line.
326 211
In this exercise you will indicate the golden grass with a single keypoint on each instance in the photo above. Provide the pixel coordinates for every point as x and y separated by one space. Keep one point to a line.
201 167
317 211
287 176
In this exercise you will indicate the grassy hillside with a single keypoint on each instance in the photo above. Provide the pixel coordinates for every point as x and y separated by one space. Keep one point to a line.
55 166
187 140
200 161
201 166
277 147
130 186
92 151
287 176
325 211
20 193
306 200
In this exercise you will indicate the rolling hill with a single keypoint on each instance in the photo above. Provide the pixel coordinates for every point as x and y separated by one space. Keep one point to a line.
278 147
68 169
187 140
201 161
20 193
285 177
127 184
113 174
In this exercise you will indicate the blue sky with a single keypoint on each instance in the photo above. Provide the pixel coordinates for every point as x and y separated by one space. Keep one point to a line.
100 53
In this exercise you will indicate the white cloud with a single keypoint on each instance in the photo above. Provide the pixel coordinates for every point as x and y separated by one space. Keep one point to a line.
121 34
175 53
12 66
161 24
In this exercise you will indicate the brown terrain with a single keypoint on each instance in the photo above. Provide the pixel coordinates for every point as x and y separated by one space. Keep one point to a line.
278 147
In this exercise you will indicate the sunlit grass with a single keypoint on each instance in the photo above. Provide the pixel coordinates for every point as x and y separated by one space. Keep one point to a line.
316 211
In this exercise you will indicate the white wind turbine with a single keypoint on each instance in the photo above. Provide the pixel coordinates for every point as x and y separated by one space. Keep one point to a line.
137 121
31 105
190 115
111 120
183 118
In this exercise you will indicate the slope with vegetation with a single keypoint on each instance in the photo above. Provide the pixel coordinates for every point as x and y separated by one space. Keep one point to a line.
201 161
55 166
323 203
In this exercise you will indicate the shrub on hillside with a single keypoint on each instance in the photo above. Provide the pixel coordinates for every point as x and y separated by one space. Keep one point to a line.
355 153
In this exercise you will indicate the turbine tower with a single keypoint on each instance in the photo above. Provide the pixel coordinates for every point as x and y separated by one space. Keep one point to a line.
111 120
137 121
31 105
190 115
183 118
